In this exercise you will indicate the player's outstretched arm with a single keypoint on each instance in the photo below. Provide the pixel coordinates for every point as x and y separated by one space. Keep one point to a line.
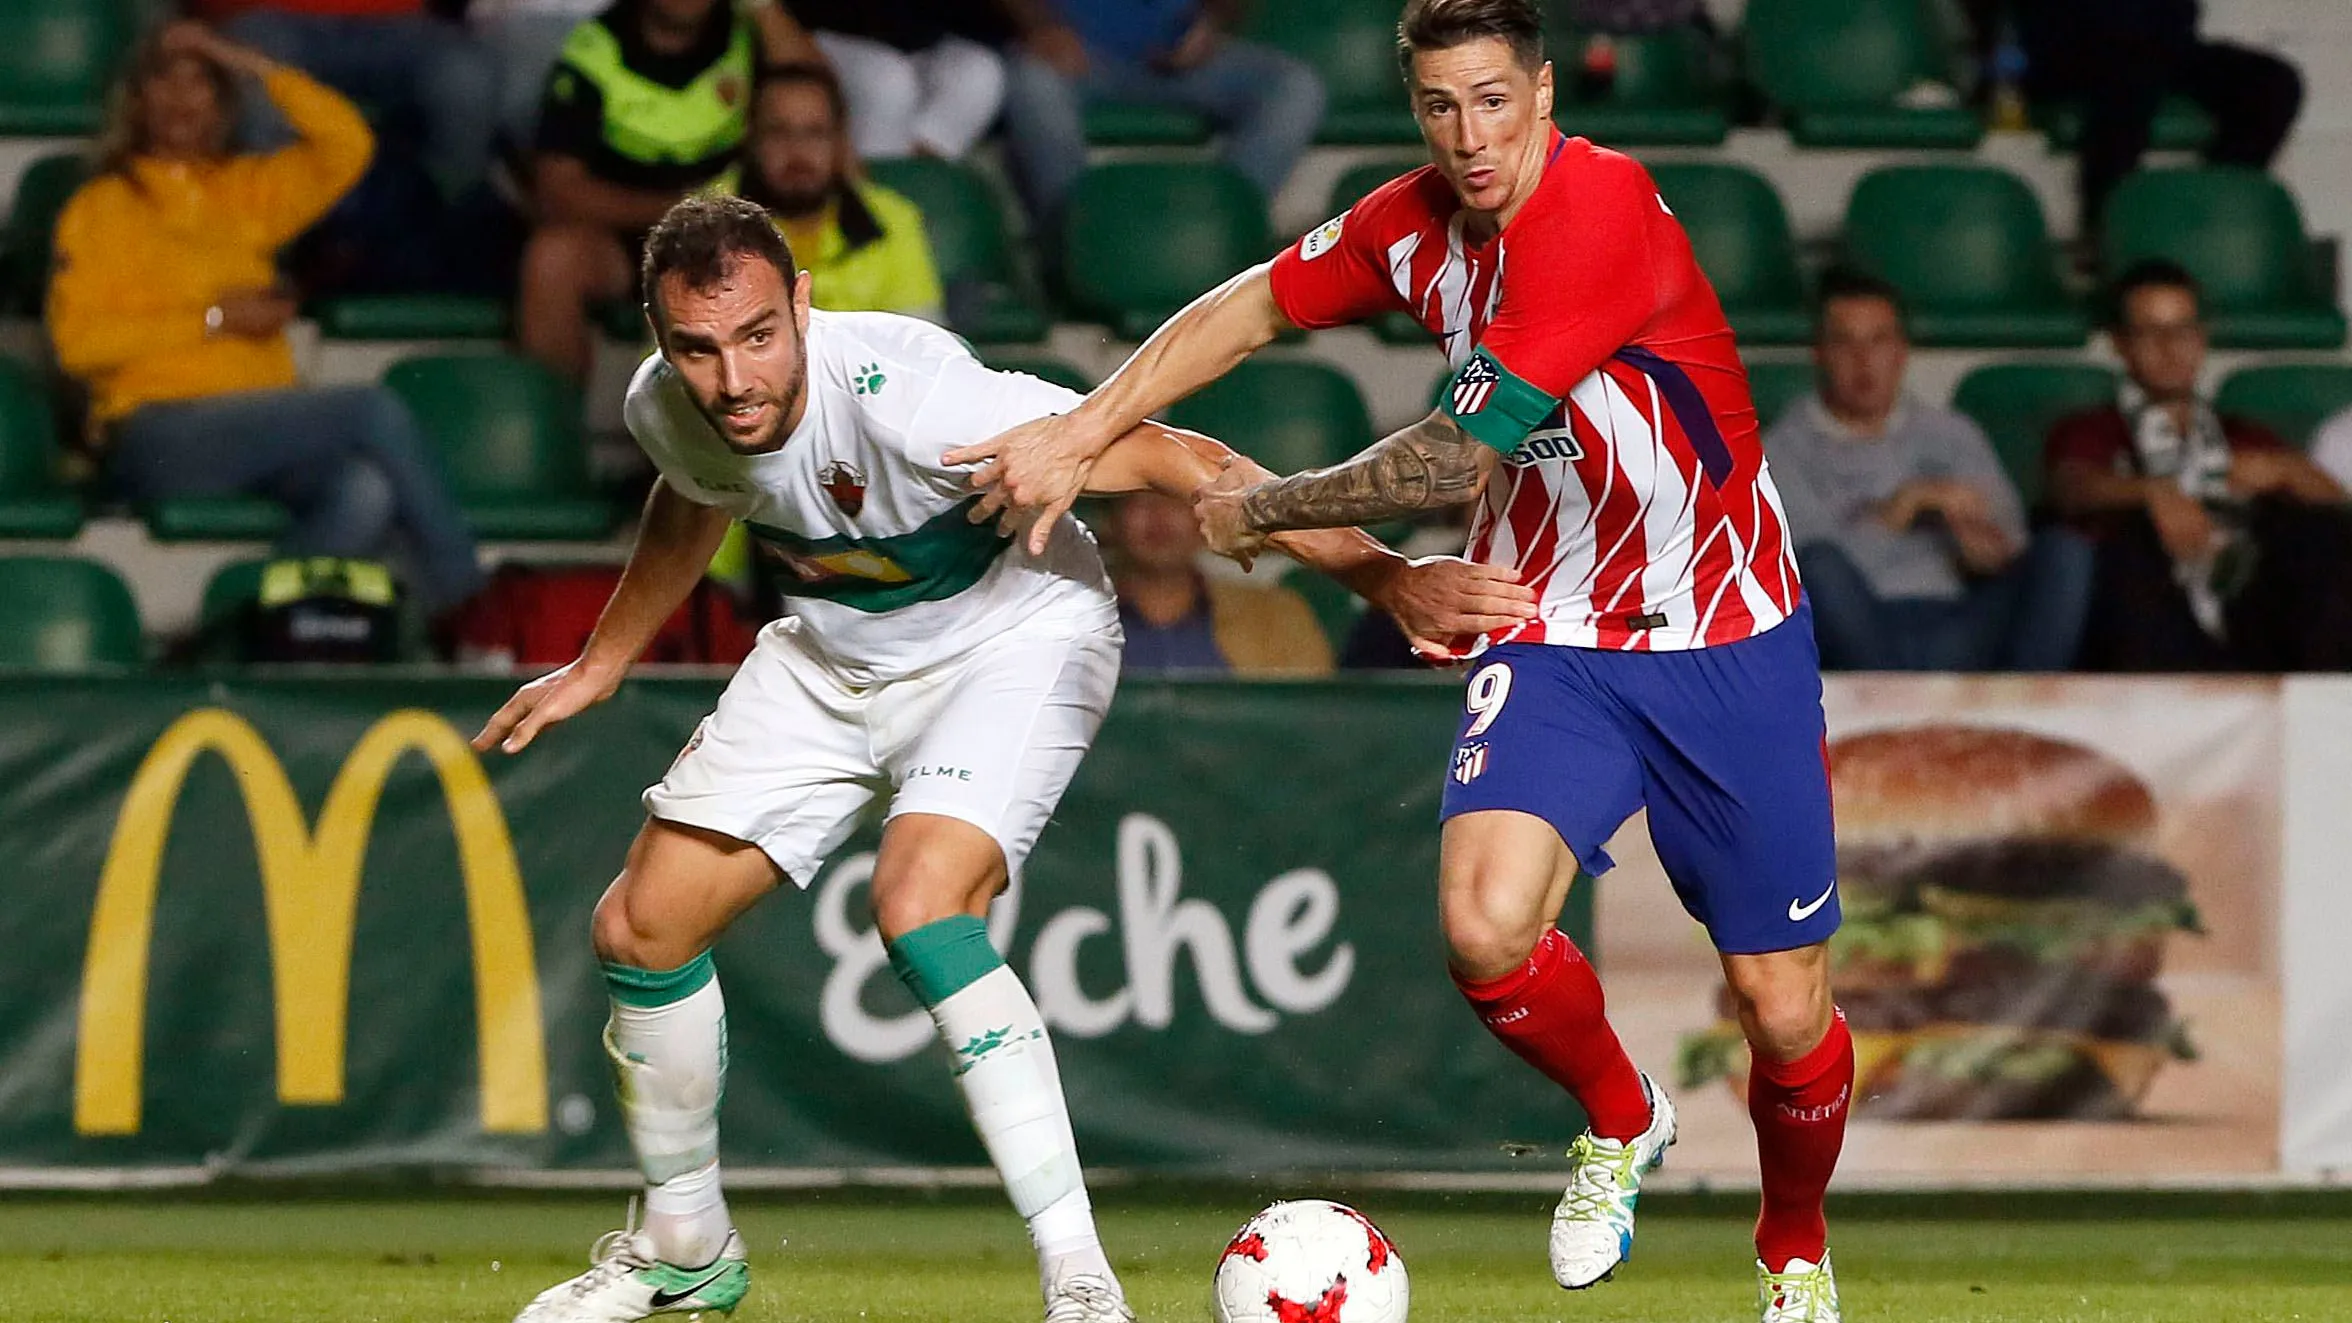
1433 598
675 542
1032 473
1427 466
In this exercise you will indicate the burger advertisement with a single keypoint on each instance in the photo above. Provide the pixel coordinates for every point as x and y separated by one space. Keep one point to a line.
2058 923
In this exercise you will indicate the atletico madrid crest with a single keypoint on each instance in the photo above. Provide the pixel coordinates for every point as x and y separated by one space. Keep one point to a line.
1473 384
1469 762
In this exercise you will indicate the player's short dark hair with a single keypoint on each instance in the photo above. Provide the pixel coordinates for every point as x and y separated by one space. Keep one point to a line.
2147 273
803 74
1436 25
1846 282
703 238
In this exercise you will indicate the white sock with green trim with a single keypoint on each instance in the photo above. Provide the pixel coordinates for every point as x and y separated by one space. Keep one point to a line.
667 1039
1004 1065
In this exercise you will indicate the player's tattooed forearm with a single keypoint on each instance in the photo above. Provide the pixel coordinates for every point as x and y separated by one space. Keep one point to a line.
1431 464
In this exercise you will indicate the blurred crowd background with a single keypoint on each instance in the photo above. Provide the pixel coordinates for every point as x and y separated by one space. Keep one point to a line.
318 312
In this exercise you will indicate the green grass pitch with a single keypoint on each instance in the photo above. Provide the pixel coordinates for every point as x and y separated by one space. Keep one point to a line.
252 1258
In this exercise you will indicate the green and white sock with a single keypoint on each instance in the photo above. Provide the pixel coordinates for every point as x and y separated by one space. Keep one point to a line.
1004 1065
668 1042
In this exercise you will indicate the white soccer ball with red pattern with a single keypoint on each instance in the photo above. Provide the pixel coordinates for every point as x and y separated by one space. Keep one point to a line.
1311 1261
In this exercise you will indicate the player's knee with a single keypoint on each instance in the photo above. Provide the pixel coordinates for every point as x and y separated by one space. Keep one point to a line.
1785 1008
907 899
624 934
1486 939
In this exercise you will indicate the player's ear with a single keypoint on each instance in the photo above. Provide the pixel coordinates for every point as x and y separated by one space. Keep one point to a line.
1543 91
801 284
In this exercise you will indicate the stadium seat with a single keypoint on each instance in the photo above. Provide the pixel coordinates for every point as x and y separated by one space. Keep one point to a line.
56 57
25 245
1137 125
62 613
1777 383
1287 414
411 317
2181 125
1741 235
1837 68
2017 403
1664 93
510 441
1968 247
1351 46
33 502
2291 399
1044 367
988 298
1396 328
1335 607
215 519
2241 233
1143 238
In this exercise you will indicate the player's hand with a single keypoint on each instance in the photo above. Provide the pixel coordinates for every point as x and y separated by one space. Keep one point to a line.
553 697
1030 475
1060 47
1437 598
2183 524
1218 507
255 314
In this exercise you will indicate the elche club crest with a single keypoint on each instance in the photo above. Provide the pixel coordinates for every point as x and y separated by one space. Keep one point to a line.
1473 385
845 485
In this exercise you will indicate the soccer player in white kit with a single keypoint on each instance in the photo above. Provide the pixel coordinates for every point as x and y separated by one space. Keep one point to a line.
925 657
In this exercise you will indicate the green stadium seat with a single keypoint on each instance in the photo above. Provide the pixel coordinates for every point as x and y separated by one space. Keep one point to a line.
989 299
1136 125
34 503
25 245
1045 367
1351 46
1665 93
1334 606
510 441
1741 235
2181 125
2017 403
1969 249
62 613
1287 414
412 317
229 590
2239 231
1776 385
1836 69
2291 399
216 519
1143 238
56 58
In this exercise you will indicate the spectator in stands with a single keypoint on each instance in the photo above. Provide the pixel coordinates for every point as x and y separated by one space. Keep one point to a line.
1078 53
1178 619
1910 536
862 244
164 304
2119 59
395 55
2220 548
525 38
648 103
915 86
2331 447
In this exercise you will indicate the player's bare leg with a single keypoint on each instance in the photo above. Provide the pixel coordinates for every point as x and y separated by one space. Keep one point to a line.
667 1039
932 884
1799 1089
1503 876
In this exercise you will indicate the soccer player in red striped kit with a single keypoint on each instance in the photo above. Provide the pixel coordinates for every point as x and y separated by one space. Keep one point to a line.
1600 420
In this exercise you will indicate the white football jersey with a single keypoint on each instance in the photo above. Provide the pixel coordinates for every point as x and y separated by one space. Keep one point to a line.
886 574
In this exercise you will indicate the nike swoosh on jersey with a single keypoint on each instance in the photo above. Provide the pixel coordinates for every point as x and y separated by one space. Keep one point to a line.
664 1299
1799 913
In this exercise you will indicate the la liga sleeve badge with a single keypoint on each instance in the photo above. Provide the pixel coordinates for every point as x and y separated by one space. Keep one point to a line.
1320 240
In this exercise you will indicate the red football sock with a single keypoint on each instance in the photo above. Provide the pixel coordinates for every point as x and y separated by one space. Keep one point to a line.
1799 1108
1551 1013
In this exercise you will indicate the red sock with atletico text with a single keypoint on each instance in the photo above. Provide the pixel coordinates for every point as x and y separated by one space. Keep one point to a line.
1550 1011
1799 1108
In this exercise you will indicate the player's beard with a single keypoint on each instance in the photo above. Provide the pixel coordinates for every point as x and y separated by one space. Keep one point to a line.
776 434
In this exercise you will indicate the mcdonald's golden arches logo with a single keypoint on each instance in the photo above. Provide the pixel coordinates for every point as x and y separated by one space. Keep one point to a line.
310 898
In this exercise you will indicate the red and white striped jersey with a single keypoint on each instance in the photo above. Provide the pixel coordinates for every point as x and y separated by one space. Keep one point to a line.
1589 349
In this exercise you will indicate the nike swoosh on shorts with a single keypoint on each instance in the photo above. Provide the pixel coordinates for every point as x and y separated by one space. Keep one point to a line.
1799 913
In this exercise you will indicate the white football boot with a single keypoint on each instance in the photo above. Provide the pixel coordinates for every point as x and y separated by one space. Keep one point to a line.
1078 1296
1592 1229
1804 1293
629 1283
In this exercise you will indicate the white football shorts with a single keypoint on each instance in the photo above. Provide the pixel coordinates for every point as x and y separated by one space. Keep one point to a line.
791 756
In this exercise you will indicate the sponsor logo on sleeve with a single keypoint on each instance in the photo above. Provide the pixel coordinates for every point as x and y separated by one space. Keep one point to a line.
1320 240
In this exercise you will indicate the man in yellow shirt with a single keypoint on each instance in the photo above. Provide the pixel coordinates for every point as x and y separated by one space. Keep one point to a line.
165 304
862 244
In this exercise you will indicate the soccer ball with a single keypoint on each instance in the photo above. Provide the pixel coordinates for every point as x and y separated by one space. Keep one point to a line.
1311 1261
